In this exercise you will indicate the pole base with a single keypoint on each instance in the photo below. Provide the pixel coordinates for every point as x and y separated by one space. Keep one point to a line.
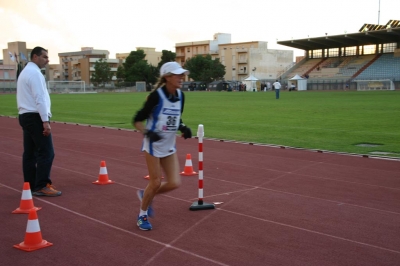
196 206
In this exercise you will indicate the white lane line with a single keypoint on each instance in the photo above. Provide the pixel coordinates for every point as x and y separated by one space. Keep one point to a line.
250 188
164 245
312 231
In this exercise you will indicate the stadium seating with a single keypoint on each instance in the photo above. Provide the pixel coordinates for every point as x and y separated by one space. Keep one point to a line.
304 67
385 67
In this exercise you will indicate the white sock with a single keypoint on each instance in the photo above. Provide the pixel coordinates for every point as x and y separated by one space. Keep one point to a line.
142 212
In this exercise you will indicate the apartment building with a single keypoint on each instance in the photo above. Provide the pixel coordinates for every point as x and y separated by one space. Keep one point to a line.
79 65
240 59
187 50
8 74
55 72
152 56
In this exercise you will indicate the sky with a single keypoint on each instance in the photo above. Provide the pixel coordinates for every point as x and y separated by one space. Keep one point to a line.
120 26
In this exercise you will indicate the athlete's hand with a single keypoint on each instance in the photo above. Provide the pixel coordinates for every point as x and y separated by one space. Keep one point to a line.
153 136
186 132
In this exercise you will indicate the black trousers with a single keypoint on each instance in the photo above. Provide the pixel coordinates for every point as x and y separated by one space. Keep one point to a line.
38 155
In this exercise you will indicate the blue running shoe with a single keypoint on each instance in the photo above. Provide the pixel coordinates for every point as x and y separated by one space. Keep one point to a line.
150 210
143 223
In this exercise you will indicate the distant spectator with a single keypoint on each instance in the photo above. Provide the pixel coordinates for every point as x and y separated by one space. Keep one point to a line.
277 87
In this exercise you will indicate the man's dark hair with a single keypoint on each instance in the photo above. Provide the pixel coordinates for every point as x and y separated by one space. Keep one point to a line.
37 51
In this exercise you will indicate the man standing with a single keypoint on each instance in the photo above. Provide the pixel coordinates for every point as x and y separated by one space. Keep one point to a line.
33 102
277 87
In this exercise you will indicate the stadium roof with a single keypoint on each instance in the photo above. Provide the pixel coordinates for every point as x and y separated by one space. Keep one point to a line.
389 33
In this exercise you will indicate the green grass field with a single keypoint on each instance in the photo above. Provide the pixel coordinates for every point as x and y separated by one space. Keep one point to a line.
327 120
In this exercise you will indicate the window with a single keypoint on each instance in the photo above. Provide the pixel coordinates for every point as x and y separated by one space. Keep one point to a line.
333 52
369 49
317 53
389 47
351 50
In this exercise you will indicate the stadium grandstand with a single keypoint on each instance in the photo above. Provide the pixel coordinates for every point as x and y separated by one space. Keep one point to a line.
339 61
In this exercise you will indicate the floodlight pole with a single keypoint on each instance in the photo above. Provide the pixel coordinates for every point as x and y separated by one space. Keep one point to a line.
379 11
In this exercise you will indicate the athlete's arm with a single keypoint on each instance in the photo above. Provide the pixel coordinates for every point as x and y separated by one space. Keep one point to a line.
144 113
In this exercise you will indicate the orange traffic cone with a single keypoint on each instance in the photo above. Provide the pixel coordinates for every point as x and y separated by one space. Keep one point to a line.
26 203
103 175
188 170
33 237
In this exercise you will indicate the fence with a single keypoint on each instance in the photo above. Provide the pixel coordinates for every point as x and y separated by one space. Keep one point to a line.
337 85
8 87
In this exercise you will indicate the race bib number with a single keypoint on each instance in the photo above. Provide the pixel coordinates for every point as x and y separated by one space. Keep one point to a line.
171 119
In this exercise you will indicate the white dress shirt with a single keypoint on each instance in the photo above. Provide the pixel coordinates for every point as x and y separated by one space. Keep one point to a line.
32 94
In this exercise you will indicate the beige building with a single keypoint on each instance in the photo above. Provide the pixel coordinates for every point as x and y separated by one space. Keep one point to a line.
8 74
55 72
20 53
16 48
240 59
79 66
152 56
187 50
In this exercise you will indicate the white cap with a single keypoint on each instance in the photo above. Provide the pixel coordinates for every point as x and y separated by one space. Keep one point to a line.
172 68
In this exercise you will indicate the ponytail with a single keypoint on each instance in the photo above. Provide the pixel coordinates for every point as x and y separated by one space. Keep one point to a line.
160 82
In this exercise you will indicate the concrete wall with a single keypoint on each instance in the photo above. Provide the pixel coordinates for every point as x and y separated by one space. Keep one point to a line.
269 62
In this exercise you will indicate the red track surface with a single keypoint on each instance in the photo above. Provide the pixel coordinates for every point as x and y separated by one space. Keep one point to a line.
280 206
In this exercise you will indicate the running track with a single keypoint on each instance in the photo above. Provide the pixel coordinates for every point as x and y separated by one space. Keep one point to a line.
279 206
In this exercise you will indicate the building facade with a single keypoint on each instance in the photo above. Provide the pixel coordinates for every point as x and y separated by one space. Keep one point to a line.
240 59
55 72
152 56
79 66
16 52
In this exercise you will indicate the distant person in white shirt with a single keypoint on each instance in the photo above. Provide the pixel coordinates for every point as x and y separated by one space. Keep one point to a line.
277 87
33 102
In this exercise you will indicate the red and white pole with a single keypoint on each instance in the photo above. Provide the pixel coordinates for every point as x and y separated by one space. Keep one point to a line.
200 205
200 135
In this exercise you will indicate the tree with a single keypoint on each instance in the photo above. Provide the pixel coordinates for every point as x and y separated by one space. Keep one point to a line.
204 68
136 68
102 72
120 73
166 56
